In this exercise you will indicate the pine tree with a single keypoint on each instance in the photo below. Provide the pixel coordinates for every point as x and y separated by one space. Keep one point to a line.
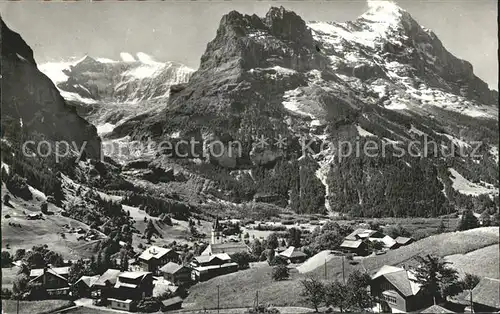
436 278
468 221
99 263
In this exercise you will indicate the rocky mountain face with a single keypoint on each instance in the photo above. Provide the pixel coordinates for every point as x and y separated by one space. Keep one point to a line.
123 81
382 77
107 92
294 104
31 104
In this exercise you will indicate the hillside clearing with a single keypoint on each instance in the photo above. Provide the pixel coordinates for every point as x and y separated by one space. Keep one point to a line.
468 263
19 232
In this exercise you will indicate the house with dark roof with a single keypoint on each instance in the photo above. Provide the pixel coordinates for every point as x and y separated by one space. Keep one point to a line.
176 274
229 248
50 281
293 255
358 247
134 285
394 290
155 257
486 295
205 267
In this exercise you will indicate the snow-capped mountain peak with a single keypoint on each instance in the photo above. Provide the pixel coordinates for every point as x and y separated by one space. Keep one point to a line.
145 58
127 57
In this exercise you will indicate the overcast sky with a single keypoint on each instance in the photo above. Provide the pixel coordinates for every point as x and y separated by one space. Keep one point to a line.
179 31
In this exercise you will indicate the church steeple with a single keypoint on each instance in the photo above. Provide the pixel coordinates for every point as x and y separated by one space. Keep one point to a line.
216 231
216 225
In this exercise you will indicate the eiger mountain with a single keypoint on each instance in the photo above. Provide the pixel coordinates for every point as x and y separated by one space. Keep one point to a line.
381 77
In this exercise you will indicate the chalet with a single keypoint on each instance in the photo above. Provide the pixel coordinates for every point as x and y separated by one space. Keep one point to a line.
83 286
266 198
34 216
176 274
205 267
357 247
372 236
123 289
293 255
171 304
103 287
436 309
394 291
133 285
387 241
363 234
229 248
486 295
124 305
402 241
155 257
52 282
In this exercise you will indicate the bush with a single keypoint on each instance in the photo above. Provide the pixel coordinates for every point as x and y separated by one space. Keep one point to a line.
6 294
243 259
6 259
6 199
280 272
149 305
44 207
261 309
18 186
468 221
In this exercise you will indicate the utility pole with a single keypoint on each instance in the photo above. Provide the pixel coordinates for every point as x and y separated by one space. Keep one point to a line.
218 303
325 269
17 311
471 304
257 299
343 270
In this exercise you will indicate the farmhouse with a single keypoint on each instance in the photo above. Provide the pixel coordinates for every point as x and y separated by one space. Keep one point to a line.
171 304
209 266
84 285
293 255
155 257
229 248
103 287
436 309
362 234
34 216
176 274
133 285
50 281
372 236
357 247
486 295
123 289
394 291
402 241
124 305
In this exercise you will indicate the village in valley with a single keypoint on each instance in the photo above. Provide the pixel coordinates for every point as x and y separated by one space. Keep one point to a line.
327 259
243 180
